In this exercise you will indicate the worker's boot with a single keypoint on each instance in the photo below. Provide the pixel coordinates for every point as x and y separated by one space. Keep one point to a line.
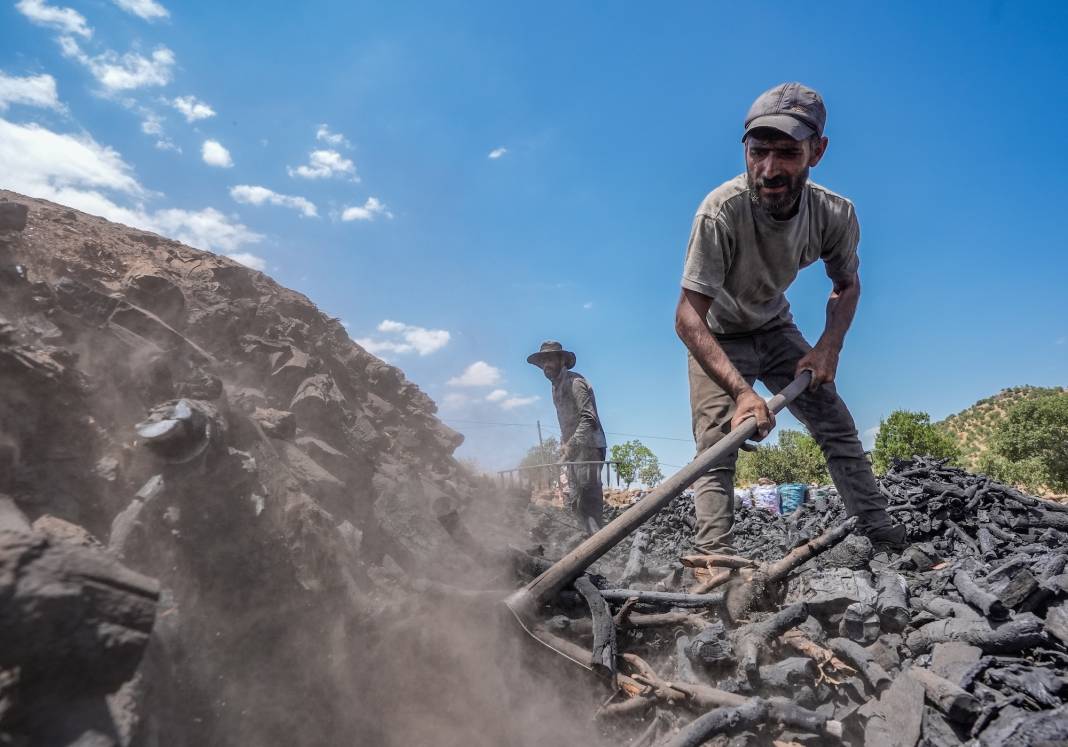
887 538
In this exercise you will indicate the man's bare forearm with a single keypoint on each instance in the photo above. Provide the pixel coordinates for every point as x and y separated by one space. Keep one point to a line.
841 308
692 329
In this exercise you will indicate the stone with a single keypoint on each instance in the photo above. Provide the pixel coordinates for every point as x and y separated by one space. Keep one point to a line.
13 216
952 659
897 719
158 294
318 403
61 530
316 479
280 424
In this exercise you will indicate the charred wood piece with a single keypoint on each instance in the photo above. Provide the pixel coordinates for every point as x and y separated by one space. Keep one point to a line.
636 559
789 673
715 560
604 629
859 658
958 704
892 604
752 641
1019 634
663 598
711 646
982 600
860 623
801 643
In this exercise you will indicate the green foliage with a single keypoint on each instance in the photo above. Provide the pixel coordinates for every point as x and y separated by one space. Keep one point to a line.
1030 473
905 434
636 461
795 458
548 452
650 474
1032 442
974 427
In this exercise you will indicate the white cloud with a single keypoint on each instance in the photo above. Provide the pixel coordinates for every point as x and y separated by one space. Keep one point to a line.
497 395
324 164
205 229
478 373
454 400
588 305
513 402
33 90
368 211
67 20
497 153
77 171
249 260
381 347
214 154
192 109
123 72
152 124
331 138
32 156
149 10
253 195
408 338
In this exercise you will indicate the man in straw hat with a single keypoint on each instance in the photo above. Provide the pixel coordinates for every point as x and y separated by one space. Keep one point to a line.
749 239
581 436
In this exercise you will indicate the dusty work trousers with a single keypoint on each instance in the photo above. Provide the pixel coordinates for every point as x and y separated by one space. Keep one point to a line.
771 356
584 485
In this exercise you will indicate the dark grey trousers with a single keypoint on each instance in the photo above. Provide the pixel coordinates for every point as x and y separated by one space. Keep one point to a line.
584 485
772 356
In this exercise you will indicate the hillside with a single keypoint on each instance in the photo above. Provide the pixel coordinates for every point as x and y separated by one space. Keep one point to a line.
974 427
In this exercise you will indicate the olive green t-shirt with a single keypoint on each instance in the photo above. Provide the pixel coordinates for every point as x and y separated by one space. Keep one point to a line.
744 260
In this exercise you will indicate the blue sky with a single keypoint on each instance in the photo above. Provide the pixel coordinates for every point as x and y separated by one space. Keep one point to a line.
346 149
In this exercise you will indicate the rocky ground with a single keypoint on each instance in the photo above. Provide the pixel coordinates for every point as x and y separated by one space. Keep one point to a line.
223 522
960 639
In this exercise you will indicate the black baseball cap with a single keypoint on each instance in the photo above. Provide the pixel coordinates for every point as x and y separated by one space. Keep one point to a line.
791 108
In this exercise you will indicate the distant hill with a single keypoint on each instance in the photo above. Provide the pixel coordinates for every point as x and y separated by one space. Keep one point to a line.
974 427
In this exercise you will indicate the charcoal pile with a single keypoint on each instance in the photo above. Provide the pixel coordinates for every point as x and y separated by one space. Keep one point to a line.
808 635
222 521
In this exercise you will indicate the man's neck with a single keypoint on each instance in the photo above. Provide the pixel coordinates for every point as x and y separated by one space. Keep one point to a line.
560 377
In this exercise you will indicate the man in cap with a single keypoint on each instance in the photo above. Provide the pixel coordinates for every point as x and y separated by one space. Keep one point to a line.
581 436
749 239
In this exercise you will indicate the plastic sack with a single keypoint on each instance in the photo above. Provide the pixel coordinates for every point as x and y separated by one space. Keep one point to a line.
791 496
767 498
744 497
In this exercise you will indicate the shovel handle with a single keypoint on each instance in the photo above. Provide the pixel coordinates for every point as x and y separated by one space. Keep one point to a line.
531 597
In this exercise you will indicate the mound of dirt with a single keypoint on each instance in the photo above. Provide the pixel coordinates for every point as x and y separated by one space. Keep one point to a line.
295 497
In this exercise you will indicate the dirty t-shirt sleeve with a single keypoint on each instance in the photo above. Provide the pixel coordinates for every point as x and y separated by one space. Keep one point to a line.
707 256
839 253
586 430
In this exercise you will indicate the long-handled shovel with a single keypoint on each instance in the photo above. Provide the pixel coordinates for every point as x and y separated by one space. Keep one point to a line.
525 602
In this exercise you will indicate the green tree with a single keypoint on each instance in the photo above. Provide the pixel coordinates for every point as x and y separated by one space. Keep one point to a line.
634 460
795 458
649 473
906 434
547 452
1030 445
